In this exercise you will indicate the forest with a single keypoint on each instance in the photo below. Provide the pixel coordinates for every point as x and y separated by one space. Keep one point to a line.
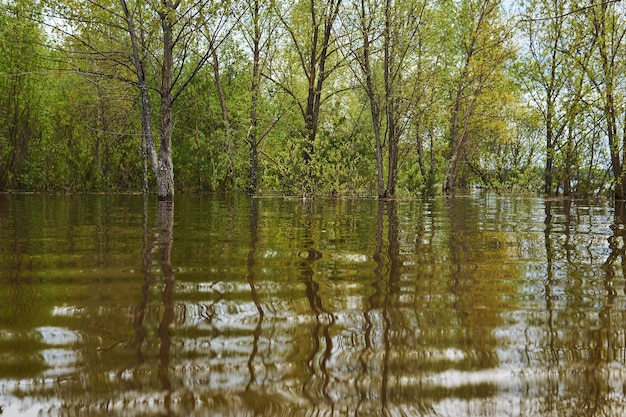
313 97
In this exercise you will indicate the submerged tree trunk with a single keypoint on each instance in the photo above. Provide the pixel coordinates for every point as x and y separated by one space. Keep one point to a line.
165 172
161 163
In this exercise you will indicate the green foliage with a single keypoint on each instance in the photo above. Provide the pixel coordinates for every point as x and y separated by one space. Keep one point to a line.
20 89
453 84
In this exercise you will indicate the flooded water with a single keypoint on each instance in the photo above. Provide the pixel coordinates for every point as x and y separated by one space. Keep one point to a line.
234 306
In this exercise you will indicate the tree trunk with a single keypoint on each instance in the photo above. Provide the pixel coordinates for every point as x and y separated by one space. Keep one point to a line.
366 67
551 95
567 168
165 172
161 164
549 153
317 74
253 140
456 140
390 104
147 140
611 128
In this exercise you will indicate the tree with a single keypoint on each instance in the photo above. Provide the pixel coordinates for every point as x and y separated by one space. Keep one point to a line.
543 74
609 31
366 12
163 58
397 42
176 27
309 25
391 67
483 50
571 74
258 32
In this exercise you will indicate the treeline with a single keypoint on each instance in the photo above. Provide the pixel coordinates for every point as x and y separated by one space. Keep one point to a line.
368 97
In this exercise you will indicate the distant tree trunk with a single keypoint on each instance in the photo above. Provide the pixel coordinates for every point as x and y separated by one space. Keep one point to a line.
317 73
420 157
148 153
550 150
259 31
459 133
613 137
224 109
567 168
551 97
428 174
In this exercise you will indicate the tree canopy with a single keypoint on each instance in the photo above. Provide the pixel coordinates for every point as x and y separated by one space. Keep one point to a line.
313 97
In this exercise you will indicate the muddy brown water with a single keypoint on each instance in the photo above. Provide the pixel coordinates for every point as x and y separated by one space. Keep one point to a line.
477 305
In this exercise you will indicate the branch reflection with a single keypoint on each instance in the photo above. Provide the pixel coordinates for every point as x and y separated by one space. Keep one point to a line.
617 241
251 267
165 226
315 388
157 242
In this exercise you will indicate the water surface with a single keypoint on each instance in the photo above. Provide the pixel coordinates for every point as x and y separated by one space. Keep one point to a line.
477 305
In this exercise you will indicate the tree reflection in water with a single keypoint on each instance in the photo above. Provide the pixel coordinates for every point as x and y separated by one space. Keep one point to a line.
463 306
157 268
315 387
582 350
251 268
